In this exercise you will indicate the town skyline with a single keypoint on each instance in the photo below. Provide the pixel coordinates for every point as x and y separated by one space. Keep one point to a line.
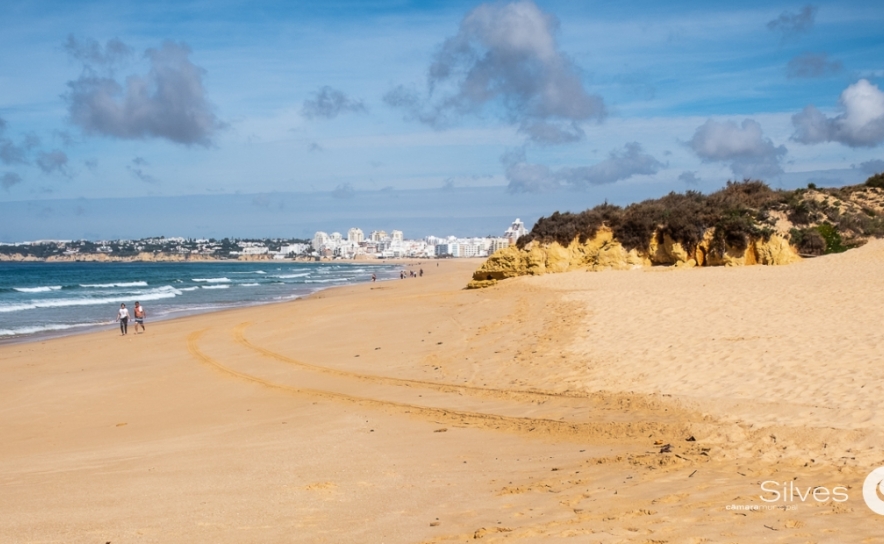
323 246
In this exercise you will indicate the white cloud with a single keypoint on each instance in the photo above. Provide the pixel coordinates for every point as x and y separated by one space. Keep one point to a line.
619 165
505 60
746 149
861 123
169 102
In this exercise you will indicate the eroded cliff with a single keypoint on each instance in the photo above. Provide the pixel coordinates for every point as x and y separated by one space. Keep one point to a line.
604 252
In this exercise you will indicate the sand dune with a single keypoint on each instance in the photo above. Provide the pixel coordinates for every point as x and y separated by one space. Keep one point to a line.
610 407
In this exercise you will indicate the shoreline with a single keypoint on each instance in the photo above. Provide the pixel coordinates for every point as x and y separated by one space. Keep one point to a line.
101 327
184 314
76 330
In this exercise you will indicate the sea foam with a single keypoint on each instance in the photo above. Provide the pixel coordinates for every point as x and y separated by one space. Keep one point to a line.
151 294
44 289
123 284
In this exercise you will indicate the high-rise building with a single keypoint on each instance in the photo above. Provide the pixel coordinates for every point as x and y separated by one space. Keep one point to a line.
516 230
355 235
378 235
319 239
396 235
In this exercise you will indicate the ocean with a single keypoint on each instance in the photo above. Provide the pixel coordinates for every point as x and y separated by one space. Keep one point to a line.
53 299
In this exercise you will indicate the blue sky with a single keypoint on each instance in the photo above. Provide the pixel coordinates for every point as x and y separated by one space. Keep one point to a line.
525 107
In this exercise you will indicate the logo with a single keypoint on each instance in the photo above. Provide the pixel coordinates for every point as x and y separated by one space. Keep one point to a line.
873 491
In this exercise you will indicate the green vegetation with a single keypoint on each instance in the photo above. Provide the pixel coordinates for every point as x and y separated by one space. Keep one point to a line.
824 220
876 181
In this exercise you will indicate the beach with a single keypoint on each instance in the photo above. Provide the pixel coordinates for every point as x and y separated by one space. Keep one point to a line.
633 406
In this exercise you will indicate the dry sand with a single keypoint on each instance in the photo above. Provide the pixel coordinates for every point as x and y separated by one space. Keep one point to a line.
416 411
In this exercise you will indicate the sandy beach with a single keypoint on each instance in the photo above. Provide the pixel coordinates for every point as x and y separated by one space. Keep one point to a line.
636 406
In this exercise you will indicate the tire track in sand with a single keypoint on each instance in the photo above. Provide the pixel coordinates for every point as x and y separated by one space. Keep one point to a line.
537 426
620 402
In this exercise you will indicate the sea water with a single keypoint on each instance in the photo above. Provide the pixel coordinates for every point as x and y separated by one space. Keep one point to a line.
63 298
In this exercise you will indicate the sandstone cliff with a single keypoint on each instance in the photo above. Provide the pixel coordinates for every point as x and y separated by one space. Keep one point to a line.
604 252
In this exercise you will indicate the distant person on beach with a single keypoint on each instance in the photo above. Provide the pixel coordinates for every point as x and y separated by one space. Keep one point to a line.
374 278
422 273
139 317
123 318
402 274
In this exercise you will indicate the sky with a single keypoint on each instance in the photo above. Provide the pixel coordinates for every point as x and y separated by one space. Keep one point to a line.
259 118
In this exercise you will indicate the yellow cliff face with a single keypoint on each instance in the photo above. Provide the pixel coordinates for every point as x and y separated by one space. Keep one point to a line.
604 252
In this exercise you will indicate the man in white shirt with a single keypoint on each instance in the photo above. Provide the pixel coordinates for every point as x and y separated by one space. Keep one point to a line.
123 318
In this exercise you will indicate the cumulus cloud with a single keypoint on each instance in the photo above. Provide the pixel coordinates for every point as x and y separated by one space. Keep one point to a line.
168 102
328 103
505 61
794 23
689 177
53 161
525 177
344 191
9 179
861 123
813 65
744 146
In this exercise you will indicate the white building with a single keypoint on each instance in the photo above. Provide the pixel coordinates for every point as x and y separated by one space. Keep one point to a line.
336 237
497 244
319 239
378 235
396 235
516 230
291 249
355 235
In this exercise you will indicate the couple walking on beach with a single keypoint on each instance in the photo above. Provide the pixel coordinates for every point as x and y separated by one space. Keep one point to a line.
123 318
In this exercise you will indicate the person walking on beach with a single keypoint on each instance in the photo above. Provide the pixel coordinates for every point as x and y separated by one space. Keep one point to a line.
139 317
422 273
123 318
